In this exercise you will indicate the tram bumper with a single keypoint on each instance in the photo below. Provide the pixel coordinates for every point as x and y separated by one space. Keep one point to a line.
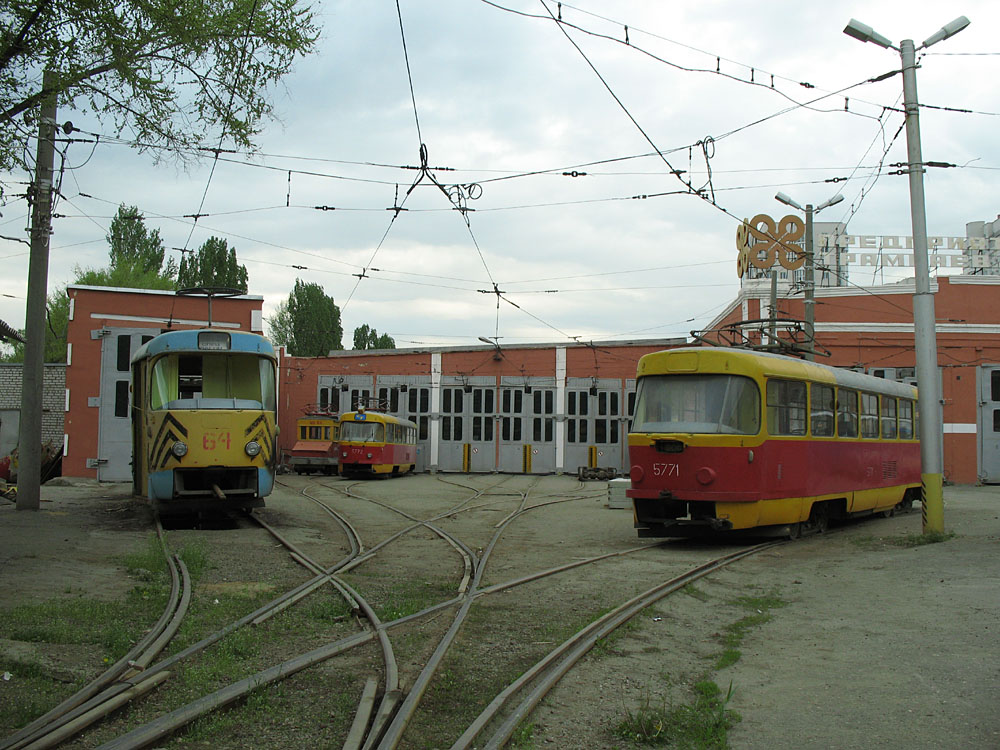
666 516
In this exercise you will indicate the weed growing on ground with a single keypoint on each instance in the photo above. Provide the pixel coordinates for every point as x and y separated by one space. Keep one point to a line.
703 724
522 737
734 633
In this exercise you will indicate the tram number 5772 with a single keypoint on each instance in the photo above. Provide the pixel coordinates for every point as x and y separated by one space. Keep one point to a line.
666 470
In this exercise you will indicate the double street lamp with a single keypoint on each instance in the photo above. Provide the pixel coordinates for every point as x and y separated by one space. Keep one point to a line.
924 334
810 267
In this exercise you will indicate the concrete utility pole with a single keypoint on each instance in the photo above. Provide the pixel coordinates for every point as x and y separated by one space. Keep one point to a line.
924 324
33 373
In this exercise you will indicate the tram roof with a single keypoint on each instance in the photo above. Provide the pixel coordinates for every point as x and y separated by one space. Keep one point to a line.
188 341
694 359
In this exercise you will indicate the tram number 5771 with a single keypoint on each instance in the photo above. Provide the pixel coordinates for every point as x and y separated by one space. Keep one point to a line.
666 470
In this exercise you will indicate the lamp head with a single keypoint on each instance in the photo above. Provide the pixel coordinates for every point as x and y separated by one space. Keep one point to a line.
833 201
864 33
948 30
781 197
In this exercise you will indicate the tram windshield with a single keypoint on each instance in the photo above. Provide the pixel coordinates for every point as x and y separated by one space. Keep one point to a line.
362 432
212 381
727 404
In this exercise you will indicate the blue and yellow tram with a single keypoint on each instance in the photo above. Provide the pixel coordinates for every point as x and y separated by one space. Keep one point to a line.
374 444
729 439
203 420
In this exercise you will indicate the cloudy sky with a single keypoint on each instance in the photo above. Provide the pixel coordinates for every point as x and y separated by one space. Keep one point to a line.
548 134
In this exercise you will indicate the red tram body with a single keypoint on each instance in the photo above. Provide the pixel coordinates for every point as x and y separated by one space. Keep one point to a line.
315 446
373 443
726 439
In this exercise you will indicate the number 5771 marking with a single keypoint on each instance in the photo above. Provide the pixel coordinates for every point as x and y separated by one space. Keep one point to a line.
666 470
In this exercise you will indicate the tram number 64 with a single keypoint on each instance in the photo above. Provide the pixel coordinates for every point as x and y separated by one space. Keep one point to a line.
210 441
666 470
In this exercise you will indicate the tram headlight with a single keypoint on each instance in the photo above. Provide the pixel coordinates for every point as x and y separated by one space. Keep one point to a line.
252 448
369 455
179 449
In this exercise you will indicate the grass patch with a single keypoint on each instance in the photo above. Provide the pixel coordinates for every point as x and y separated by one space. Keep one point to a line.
523 736
734 633
703 723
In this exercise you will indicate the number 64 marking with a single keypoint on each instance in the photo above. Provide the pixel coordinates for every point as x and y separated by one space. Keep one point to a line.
666 470
209 441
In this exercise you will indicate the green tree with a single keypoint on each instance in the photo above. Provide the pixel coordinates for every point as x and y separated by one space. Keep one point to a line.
368 338
215 265
169 72
307 323
135 249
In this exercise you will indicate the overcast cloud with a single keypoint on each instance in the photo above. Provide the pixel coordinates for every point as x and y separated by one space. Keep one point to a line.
499 95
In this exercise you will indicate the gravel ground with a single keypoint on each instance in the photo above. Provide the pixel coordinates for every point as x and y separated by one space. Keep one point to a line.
877 644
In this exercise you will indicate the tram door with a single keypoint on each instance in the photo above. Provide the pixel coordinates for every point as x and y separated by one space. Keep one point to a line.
114 441
514 448
989 420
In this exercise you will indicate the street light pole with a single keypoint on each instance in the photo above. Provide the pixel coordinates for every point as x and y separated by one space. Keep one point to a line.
924 323
810 265
924 326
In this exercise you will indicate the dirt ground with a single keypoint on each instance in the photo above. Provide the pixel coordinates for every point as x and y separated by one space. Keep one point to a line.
877 645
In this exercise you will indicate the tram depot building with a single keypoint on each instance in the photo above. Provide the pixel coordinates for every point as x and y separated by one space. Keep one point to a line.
532 408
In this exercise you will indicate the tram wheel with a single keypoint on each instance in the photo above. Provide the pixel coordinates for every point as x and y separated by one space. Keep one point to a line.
819 518
795 531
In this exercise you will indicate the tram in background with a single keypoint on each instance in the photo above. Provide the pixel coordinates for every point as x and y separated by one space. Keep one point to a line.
203 420
729 439
373 443
315 446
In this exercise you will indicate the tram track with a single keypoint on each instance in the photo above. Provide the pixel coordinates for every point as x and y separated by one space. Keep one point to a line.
395 710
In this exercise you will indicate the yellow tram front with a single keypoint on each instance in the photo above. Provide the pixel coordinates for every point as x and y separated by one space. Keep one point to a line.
204 416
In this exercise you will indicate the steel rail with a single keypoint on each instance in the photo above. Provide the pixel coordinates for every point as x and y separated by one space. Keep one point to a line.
577 646
169 723
144 651
394 733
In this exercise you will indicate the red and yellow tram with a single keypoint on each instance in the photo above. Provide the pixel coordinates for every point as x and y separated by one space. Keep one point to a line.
728 439
373 443
315 447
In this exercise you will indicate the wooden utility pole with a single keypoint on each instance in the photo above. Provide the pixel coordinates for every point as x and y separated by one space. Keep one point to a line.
33 374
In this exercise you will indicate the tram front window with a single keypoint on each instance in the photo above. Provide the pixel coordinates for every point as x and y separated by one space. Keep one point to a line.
361 432
212 381
727 404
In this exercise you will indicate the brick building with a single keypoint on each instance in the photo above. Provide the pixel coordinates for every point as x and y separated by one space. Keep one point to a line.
53 405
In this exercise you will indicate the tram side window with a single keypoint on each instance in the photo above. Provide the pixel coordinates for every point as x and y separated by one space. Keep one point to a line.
869 415
786 407
888 417
822 410
905 419
847 413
